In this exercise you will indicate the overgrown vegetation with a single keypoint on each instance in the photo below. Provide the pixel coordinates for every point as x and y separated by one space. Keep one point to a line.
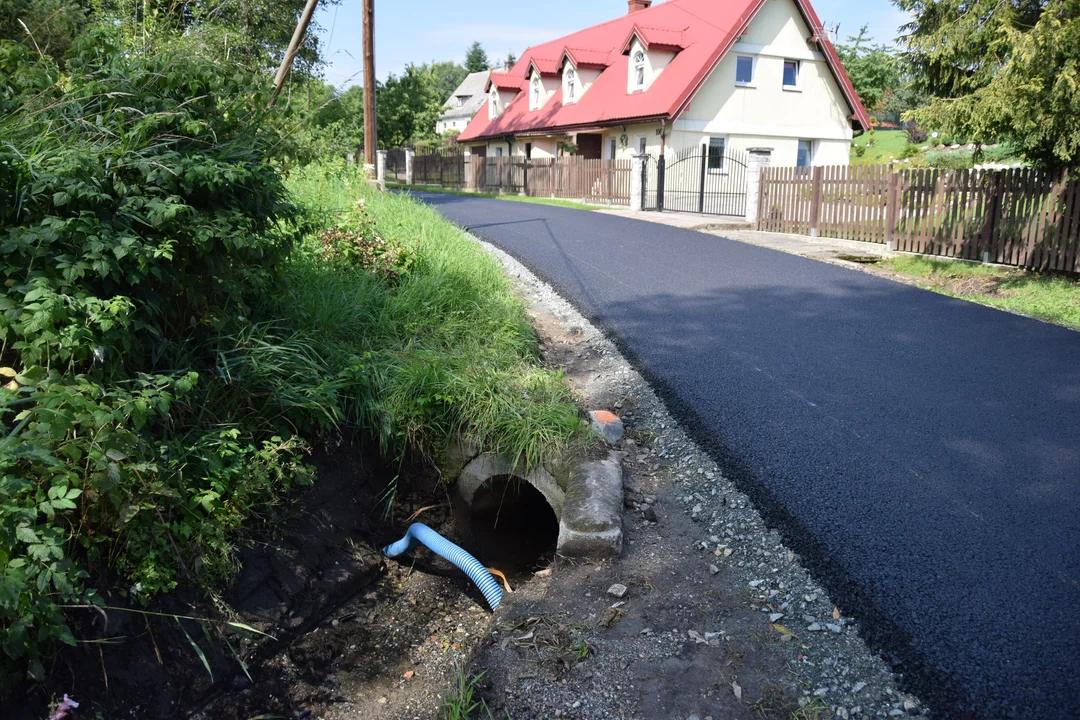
176 323
1054 298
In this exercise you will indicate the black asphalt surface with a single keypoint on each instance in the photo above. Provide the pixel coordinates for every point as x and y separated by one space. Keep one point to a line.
921 452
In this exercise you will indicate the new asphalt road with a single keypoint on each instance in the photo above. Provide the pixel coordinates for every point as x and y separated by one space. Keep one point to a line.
922 453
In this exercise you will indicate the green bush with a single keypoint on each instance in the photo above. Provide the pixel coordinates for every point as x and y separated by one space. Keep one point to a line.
956 160
141 215
910 151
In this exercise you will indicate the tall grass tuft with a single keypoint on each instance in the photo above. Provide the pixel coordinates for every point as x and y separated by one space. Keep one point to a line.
443 349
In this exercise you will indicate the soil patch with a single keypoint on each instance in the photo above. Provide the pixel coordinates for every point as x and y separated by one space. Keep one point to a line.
341 619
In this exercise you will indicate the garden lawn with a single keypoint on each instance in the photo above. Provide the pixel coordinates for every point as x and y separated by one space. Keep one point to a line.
1053 298
888 144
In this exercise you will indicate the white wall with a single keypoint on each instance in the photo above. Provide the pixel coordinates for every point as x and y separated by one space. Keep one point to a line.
655 62
585 80
766 114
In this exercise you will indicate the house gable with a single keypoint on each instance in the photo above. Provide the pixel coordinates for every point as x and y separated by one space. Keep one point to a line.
815 108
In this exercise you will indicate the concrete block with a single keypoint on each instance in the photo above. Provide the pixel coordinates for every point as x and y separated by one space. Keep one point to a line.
590 525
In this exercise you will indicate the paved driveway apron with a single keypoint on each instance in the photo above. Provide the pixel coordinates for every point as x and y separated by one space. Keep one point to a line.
922 453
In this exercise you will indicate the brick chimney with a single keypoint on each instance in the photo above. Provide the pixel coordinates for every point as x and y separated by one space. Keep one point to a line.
636 5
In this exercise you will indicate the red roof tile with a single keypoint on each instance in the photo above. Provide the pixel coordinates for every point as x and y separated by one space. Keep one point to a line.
705 29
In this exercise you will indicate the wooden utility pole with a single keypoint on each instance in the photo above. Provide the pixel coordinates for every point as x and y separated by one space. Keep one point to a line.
294 46
370 126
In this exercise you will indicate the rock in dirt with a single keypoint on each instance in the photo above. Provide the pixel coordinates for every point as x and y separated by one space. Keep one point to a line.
618 590
607 425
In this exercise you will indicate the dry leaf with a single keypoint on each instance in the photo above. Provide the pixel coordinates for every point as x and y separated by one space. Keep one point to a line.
781 629
409 674
737 690
835 613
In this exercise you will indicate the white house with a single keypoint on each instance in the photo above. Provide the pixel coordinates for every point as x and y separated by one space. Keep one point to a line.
466 101
683 74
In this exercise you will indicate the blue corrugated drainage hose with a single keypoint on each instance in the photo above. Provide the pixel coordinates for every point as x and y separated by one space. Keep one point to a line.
420 533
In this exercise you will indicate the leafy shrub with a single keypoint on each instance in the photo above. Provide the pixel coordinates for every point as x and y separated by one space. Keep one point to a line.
353 240
915 134
959 160
860 150
141 214
910 151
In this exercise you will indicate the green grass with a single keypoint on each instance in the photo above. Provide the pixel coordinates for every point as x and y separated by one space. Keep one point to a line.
555 202
887 144
461 704
1053 298
445 349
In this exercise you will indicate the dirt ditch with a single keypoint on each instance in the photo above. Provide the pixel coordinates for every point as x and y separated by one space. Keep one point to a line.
347 630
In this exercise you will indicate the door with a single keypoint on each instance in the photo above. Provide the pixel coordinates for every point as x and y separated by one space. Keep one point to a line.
590 145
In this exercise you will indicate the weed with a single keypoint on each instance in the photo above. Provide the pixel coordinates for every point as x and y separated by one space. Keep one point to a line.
816 709
461 703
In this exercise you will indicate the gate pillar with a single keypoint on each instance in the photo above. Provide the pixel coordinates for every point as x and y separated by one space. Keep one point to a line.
759 157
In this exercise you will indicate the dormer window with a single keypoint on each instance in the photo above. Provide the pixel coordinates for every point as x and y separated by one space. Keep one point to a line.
537 90
571 84
493 104
639 69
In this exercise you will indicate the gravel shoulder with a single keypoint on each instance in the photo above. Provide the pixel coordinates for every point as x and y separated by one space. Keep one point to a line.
719 618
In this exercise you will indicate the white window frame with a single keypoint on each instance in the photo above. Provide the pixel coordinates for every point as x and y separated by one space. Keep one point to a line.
723 169
797 87
498 152
571 85
811 152
642 144
493 104
536 91
613 148
753 71
638 66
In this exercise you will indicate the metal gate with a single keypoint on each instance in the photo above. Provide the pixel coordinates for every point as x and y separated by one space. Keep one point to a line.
711 181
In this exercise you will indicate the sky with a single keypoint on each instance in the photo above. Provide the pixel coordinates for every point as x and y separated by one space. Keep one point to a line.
425 30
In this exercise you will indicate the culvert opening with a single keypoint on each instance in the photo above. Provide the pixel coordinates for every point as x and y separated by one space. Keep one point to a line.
511 527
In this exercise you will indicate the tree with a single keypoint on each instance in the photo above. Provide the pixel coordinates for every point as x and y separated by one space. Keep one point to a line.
511 59
476 59
446 76
874 70
1000 70
52 24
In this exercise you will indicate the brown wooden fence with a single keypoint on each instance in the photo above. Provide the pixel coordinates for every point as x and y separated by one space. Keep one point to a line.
1024 217
446 169
599 181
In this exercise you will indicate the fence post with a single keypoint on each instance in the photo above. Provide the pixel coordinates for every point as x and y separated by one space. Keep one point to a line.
758 159
892 212
815 200
661 167
638 182
701 192
380 168
410 154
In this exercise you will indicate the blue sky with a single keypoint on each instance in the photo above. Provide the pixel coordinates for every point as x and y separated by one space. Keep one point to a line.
424 30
